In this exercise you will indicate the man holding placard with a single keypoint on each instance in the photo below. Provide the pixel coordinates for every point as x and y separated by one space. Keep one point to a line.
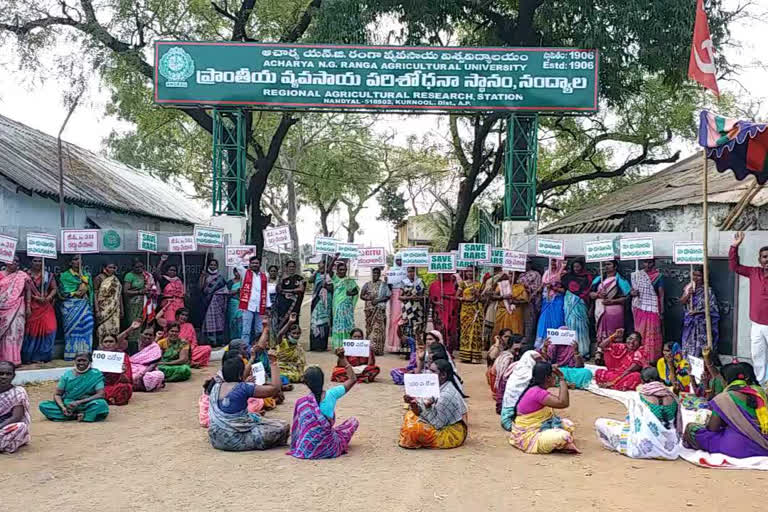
758 304
254 298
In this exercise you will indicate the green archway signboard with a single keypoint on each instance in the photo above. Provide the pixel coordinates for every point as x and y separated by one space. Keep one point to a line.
231 77
396 78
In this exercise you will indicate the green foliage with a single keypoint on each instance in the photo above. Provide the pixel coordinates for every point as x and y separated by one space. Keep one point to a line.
392 202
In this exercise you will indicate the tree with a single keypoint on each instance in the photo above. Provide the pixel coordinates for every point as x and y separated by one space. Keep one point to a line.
639 42
116 33
392 203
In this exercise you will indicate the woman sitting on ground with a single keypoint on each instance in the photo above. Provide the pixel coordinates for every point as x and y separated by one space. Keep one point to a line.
79 394
398 374
654 423
146 376
500 355
175 361
516 383
14 411
436 423
232 427
571 364
118 387
365 367
200 355
536 428
623 362
290 353
313 435
435 349
503 368
738 426
675 370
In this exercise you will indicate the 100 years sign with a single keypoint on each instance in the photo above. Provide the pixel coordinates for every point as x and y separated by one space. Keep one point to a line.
306 77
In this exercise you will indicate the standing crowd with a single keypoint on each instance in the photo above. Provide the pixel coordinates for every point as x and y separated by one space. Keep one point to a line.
501 319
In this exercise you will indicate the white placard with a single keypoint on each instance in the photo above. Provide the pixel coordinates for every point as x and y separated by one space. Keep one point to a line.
561 336
325 245
515 261
422 385
688 253
41 245
108 362
697 366
259 373
396 275
7 248
348 251
79 241
234 254
184 243
372 257
357 348
480 253
553 249
206 236
147 241
599 250
442 263
636 248
462 264
497 257
277 237
415 257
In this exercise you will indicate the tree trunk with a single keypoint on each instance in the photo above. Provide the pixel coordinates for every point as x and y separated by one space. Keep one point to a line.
324 214
258 220
291 185
352 225
462 214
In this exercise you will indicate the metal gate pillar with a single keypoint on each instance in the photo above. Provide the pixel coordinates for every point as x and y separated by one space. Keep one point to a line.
229 162
520 167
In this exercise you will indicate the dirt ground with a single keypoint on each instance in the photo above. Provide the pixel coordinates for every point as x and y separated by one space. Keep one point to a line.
152 455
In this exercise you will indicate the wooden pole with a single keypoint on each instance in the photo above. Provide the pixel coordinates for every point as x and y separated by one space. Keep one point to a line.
705 206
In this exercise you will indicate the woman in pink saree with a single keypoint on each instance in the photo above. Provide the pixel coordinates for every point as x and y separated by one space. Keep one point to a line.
173 288
146 376
648 307
609 292
15 299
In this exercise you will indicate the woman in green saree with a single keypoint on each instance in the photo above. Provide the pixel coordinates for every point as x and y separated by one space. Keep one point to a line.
175 361
79 394
140 299
76 294
344 300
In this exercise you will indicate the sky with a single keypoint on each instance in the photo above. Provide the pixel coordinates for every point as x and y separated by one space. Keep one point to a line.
40 106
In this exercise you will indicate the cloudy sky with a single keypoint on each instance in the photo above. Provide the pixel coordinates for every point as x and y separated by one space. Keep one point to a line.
40 106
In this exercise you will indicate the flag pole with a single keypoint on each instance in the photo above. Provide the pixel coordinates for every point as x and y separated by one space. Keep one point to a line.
705 206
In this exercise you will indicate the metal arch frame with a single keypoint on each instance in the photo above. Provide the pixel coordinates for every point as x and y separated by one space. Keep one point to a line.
229 162
520 167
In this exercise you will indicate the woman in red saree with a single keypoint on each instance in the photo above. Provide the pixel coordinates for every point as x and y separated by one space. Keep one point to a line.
40 331
623 362
201 354
169 281
445 309
365 367
118 387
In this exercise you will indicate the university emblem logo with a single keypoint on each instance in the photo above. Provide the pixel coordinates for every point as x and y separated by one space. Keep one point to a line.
176 65
111 240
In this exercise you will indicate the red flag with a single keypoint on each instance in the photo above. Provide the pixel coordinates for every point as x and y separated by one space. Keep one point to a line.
701 66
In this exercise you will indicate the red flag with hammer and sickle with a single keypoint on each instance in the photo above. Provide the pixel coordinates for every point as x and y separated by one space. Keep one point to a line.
701 66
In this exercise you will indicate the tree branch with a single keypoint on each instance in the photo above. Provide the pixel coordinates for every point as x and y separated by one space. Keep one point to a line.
298 30
639 160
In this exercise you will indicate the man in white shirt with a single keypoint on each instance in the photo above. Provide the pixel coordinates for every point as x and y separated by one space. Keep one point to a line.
255 301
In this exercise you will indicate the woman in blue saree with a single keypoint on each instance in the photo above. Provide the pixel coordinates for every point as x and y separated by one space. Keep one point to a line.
578 284
694 322
79 394
76 294
552 314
